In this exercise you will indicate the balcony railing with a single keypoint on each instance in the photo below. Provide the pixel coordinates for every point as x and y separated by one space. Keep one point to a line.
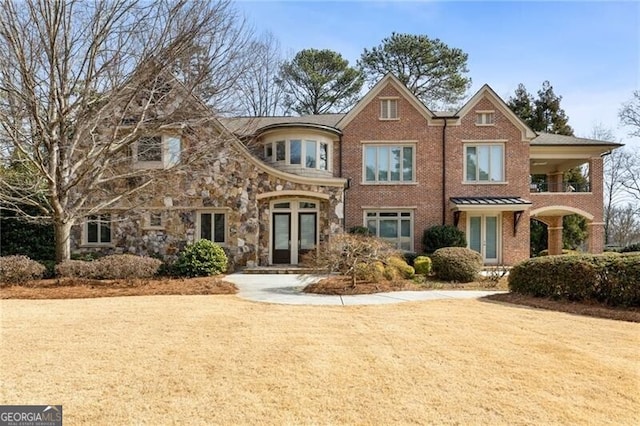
560 187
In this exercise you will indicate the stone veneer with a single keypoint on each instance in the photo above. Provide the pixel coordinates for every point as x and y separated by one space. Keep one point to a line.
227 181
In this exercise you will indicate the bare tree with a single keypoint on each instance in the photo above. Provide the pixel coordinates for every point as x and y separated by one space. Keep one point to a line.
257 93
630 114
81 82
624 228
630 117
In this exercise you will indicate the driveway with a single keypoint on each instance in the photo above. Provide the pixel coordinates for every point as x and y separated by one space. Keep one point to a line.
287 289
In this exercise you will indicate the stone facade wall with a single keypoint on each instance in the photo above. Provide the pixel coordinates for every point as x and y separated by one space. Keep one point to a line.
224 181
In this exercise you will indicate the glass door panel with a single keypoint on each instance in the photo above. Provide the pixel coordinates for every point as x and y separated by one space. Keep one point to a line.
282 238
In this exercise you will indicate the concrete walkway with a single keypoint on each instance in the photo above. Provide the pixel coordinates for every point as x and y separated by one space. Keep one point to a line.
287 289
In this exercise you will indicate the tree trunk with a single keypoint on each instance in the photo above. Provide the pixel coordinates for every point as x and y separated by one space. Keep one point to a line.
62 231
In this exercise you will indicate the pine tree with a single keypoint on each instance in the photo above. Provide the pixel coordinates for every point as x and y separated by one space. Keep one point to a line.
522 104
548 116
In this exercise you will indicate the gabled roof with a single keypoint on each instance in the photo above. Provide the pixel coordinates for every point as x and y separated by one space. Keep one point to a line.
487 91
376 89
550 139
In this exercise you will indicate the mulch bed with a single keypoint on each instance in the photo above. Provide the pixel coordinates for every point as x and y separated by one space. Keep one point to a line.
591 309
70 288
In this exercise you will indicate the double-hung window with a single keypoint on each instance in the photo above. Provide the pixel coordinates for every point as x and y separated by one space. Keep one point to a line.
389 163
212 227
98 229
307 153
396 227
484 163
484 118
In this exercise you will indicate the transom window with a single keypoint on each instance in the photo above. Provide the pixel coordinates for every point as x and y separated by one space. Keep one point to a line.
307 153
484 163
484 118
157 151
396 227
98 229
388 163
212 227
388 109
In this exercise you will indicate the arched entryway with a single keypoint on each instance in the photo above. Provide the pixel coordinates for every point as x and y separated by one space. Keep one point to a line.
552 218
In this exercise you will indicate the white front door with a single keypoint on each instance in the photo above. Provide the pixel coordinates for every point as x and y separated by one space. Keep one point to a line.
483 235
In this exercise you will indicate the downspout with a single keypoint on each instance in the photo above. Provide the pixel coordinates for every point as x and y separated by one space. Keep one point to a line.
444 174
344 191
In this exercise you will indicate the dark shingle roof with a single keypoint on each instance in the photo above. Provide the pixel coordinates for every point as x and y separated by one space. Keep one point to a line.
489 201
561 140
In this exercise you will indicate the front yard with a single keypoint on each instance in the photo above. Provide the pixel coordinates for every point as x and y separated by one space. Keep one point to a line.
222 360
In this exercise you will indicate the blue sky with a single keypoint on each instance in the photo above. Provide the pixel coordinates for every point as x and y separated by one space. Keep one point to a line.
589 51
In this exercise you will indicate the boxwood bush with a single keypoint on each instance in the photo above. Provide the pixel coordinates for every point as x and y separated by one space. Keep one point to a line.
422 264
614 280
201 259
19 269
441 236
457 264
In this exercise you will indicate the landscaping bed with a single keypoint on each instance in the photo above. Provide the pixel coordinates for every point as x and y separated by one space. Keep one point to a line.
78 288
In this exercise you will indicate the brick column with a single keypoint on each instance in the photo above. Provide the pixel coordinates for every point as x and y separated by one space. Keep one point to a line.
554 181
554 235
595 240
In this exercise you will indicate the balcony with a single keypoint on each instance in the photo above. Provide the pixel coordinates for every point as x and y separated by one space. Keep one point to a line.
564 187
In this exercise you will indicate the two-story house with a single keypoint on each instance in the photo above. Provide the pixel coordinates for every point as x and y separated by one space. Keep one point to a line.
280 186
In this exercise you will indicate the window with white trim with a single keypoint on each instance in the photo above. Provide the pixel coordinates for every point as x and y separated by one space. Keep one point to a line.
157 151
388 163
389 109
154 220
307 153
484 118
97 229
212 226
484 162
396 227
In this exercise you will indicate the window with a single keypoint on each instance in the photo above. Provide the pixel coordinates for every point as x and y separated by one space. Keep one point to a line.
149 148
307 153
484 163
388 109
212 227
484 118
384 163
394 227
155 220
98 229
157 151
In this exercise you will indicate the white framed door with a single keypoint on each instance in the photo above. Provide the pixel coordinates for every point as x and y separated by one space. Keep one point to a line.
483 236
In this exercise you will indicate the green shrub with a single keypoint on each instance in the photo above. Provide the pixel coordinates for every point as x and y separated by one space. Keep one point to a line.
19 269
404 270
457 264
441 236
565 252
611 279
422 264
201 259
631 248
372 272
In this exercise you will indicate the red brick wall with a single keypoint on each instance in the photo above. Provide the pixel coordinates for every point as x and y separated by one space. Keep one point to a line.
425 194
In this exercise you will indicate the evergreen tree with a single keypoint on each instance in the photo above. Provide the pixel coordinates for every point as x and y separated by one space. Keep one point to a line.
548 117
319 81
522 104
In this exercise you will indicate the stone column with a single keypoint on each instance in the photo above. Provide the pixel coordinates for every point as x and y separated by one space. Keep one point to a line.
554 235
595 241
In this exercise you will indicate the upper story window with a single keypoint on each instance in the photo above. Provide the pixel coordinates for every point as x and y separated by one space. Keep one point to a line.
389 163
388 109
307 153
97 229
156 152
484 162
484 118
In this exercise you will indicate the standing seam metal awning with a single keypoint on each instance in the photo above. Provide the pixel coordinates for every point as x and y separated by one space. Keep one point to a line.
489 203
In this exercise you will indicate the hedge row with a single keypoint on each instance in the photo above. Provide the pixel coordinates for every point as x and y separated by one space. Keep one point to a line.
610 279
116 266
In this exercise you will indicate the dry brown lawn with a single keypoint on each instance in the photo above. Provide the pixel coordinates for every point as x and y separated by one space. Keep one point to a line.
222 360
